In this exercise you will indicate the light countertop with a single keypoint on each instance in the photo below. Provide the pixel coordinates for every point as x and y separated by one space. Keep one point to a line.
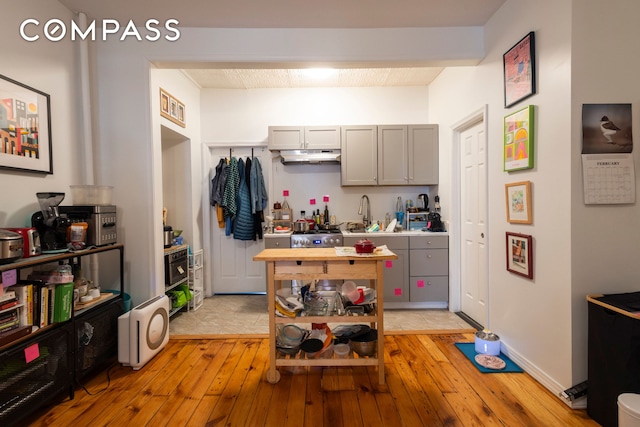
404 233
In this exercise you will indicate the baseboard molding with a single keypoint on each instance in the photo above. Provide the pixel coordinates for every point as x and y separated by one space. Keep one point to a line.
469 320
545 380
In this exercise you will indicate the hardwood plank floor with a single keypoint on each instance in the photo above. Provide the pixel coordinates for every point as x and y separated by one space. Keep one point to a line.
221 381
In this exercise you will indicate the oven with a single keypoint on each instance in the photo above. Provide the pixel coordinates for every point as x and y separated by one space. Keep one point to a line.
316 239
176 266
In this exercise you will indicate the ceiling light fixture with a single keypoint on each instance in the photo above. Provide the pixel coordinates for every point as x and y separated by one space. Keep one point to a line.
319 73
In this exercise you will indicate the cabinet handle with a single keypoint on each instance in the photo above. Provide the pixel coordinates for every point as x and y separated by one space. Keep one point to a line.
277 243
429 256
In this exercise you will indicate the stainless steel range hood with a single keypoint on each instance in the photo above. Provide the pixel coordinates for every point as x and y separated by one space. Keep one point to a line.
310 156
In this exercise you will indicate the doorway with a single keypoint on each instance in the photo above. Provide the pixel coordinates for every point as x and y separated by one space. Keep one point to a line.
472 240
234 271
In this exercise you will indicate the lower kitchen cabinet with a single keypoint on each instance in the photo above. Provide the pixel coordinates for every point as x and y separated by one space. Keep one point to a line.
429 268
396 272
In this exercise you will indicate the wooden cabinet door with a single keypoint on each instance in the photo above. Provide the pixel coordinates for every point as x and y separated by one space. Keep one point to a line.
286 138
359 163
423 155
392 155
322 137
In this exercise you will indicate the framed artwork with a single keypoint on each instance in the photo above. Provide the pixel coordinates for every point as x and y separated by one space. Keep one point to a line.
172 109
518 199
520 254
25 128
520 71
518 140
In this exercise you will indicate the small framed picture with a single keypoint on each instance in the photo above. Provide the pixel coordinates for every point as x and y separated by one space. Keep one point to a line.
171 108
520 254
520 71
518 140
518 199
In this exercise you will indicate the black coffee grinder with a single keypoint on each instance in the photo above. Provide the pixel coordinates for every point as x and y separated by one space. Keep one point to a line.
50 225
434 221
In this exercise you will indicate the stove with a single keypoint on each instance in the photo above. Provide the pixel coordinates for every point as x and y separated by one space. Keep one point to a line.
316 239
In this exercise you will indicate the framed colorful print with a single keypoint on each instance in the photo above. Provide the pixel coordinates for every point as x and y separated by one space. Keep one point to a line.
518 197
520 254
518 140
25 128
171 108
520 71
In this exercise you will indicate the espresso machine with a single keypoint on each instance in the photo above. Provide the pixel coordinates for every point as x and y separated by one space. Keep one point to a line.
51 227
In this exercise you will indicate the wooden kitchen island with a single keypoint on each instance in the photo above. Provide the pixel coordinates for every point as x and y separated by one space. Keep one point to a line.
310 264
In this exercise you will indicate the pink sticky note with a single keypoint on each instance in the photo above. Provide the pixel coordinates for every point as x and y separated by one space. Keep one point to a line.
312 201
285 193
397 292
420 283
388 263
31 353
325 199
9 278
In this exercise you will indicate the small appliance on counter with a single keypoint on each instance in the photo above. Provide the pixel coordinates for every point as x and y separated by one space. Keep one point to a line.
51 226
30 241
10 246
101 221
434 221
423 203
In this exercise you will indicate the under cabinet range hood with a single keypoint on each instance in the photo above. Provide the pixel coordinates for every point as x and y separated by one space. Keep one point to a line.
310 156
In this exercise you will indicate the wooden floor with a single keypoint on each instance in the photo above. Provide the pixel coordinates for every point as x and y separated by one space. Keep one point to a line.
221 381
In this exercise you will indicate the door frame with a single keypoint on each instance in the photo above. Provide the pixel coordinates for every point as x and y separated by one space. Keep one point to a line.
455 297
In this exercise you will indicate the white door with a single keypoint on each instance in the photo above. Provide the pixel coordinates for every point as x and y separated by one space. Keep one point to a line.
234 270
473 216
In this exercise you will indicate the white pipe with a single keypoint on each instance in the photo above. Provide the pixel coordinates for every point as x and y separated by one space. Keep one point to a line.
87 134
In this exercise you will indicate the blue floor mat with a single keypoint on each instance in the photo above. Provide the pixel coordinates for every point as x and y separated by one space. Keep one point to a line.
469 350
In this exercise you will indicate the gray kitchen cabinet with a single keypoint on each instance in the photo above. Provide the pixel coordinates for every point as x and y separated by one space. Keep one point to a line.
408 155
304 137
429 268
359 163
396 272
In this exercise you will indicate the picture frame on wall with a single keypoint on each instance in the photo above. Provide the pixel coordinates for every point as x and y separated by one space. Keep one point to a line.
172 109
519 140
25 128
520 254
519 64
518 201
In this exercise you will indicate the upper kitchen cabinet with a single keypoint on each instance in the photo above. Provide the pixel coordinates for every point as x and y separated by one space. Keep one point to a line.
359 163
408 155
304 137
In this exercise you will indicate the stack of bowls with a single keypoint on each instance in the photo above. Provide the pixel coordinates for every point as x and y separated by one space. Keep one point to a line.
289 338
366 344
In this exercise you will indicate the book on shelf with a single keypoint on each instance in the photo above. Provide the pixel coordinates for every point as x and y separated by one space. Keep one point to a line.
62 302
5 305
12 335
8 295
24 295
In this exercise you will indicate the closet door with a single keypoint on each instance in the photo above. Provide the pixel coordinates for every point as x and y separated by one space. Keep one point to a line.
234 270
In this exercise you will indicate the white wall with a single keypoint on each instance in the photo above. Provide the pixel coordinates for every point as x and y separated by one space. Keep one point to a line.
578 249
53 69
126 132
243 117
604 238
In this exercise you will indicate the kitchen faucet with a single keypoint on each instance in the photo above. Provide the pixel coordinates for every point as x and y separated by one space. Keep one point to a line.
366 218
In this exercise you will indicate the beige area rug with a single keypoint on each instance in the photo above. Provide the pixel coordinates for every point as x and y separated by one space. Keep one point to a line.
247 314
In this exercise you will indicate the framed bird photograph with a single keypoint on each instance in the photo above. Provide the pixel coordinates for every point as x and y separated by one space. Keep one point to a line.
520 71
518 140
606 128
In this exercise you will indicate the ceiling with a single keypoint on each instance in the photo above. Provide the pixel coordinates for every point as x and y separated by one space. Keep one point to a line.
299 14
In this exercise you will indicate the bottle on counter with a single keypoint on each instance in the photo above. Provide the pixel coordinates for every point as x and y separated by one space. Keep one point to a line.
387 220
326 214
285 209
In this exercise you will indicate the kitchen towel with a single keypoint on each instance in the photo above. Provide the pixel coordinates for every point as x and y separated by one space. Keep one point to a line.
469 350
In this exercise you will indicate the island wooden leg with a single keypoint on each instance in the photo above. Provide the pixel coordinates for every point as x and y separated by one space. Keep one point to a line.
273 376
380 308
